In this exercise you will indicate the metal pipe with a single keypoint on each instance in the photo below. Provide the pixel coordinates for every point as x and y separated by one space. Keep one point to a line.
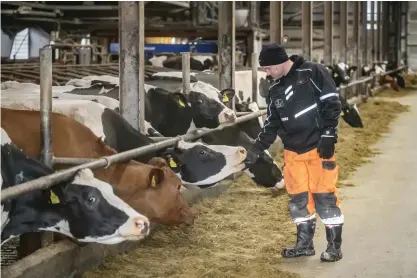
45 72
328 33
142 93
186 72
276 21
85 56
254 65
60 176
307 29
129 62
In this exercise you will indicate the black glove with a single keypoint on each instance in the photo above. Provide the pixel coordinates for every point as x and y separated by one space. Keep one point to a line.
325 147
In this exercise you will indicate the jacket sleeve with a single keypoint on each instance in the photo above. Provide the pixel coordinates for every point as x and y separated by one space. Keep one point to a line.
329 104
270 130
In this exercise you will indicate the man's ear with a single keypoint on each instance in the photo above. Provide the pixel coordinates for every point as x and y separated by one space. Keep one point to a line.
227 95
180 99
156 176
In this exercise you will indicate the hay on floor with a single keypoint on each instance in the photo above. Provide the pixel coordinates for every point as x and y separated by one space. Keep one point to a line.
241 233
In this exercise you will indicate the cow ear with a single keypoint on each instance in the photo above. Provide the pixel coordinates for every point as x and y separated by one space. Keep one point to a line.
158 162
227 94
353 68
180 99
156 176
248 100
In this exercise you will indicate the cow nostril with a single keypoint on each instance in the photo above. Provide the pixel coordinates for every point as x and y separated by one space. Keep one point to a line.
142 225
242 150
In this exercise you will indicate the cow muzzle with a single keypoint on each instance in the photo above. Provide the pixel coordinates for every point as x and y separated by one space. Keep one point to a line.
241 154
135 228
227 116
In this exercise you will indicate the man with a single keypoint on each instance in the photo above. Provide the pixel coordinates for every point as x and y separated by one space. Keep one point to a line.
303 110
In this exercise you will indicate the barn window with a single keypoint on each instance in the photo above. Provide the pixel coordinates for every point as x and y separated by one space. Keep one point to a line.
369 15
20 48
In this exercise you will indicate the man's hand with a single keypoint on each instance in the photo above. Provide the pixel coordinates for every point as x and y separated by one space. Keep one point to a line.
326 144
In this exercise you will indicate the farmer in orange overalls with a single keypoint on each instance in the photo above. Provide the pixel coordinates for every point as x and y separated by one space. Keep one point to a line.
303 110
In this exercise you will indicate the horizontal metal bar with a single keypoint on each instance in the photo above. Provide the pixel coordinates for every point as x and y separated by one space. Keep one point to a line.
367 79
49 180
61 7
242 113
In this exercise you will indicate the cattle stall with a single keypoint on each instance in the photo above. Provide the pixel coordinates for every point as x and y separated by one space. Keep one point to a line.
65 259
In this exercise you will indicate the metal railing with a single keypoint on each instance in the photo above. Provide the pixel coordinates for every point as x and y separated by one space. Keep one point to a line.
46 106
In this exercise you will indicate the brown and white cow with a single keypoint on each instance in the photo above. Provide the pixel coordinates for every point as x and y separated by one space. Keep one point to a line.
152 189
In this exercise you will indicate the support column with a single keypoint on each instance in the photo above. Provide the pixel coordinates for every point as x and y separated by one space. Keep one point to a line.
343 31
307 29
328 32
379 30
356 36
226 38
364 34
373 32
276 23
129 62
385 30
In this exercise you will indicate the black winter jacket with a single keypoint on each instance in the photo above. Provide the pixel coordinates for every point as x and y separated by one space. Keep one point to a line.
302 106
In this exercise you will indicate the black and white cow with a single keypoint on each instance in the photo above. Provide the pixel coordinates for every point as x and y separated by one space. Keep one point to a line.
195 163
174 61
83 208
341 73
394 79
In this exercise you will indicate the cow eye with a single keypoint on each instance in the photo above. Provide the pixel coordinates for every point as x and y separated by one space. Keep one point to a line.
199 101
202 152
91 199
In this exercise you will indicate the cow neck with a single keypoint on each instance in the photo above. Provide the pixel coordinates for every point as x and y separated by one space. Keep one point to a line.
43 216
117 174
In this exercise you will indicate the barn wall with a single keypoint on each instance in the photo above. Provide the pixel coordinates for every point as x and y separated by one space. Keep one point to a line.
412 35
38 39
6 45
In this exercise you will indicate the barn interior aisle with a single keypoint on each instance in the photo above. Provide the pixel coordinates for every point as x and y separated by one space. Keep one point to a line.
240 233
380 235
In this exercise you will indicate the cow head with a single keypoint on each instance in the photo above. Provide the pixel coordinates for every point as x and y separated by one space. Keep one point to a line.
341 73
207 108
159 197
351 116
83 208
200 164
252 127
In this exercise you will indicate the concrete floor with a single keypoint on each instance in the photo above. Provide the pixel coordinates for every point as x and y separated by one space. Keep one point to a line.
380 231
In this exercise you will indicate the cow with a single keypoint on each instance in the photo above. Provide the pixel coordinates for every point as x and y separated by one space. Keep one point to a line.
200 108
185 159
395 80
341 73
152 189
82 207
197 62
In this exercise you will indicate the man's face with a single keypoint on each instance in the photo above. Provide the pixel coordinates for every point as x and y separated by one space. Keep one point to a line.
276 71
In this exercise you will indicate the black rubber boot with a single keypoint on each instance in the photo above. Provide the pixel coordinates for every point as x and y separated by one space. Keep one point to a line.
333 252
304 245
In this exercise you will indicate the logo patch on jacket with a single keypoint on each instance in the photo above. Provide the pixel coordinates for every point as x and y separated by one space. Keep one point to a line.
279 103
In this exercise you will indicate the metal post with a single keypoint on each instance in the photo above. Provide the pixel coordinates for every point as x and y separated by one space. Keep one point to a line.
186 72
254 66
343 31
142 93
398 33
226 39
328 32
307 29
385 30
276 22
379 40
46 152
372 23
85 55
356 36
364 34
254 14
129 62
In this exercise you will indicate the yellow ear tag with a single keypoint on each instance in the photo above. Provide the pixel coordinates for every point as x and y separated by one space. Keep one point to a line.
181 103
342 113
335 75
225 98
153 182
172 163
54 198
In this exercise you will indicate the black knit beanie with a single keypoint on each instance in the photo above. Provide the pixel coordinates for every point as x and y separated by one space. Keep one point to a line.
272 54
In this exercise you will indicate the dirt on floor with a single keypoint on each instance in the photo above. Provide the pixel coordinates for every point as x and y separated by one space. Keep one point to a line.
241 233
